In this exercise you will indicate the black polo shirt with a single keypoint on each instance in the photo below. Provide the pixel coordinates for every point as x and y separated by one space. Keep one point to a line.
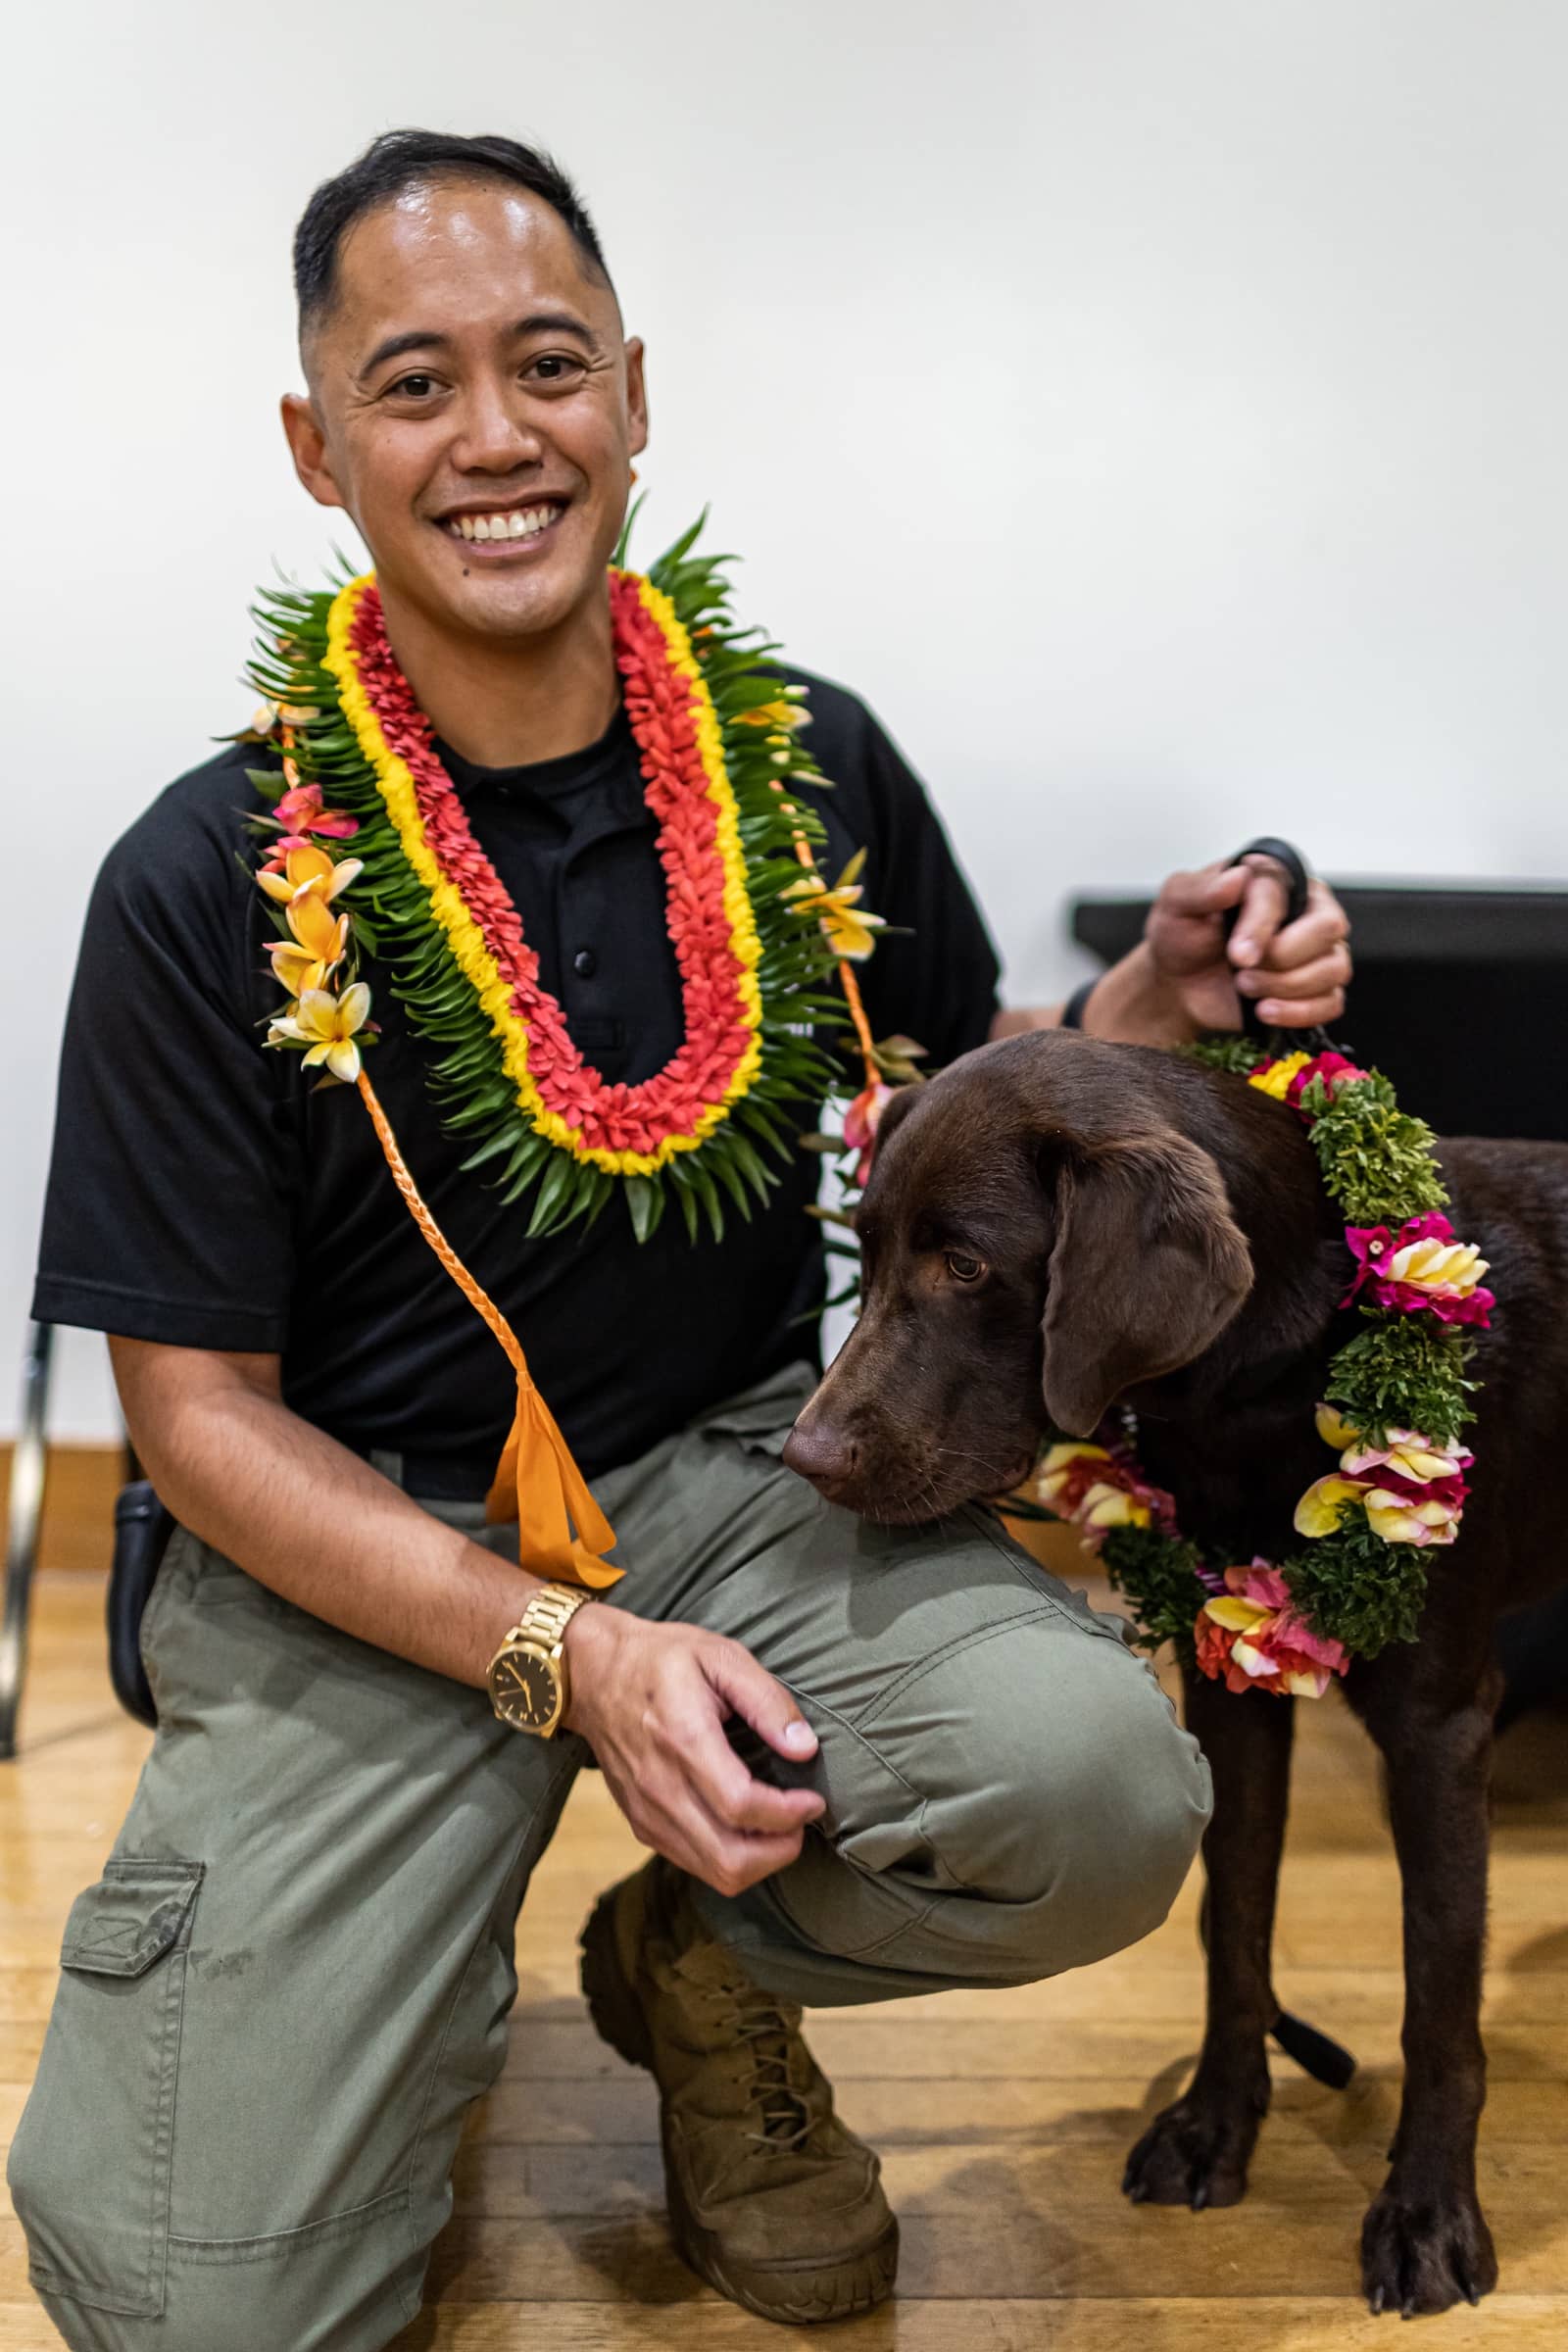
203 1195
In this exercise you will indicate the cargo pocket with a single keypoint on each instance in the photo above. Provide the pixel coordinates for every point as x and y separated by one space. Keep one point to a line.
92 2163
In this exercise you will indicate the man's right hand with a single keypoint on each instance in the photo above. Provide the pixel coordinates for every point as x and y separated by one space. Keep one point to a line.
652 1701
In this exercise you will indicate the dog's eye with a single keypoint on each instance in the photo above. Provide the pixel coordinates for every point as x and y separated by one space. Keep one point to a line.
964 1268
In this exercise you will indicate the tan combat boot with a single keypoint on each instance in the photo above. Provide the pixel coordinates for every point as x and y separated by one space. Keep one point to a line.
771 2200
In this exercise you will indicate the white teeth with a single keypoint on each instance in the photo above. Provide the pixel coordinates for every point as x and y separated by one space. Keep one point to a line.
522 523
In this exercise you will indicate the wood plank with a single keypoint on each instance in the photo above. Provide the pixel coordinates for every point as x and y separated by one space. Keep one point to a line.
1262 2323
1095 2245
621 2109
1292 2170
76 1532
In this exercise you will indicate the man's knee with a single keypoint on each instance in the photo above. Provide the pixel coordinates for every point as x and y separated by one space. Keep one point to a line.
345 2286
1081 1810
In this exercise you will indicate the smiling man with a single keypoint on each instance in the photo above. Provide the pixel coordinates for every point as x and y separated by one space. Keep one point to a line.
870 1760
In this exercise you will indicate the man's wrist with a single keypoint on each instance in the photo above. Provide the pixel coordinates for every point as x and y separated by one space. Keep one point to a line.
1134 1004
579 1652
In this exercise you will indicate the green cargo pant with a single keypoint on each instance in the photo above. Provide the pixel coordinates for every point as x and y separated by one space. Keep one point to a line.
292 1981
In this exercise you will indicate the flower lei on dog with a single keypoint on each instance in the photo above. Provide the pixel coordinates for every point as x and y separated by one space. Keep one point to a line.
757 930
1394 1409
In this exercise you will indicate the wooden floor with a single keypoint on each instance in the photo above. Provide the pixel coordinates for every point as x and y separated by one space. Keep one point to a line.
1003 2116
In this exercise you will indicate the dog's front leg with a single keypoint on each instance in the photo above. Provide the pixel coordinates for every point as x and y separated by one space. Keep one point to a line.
1425 2242
1197 2152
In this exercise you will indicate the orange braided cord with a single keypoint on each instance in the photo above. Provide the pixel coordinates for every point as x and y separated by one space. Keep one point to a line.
538 1481
847 979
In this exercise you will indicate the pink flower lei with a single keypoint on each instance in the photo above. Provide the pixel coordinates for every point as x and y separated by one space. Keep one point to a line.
1401 1487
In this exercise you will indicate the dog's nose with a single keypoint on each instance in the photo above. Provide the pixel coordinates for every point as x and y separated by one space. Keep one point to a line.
821 1454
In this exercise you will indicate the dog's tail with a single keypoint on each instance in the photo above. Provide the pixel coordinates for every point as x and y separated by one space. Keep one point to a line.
1314 2053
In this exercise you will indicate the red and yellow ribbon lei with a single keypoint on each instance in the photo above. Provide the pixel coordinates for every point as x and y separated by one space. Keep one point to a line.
621 1130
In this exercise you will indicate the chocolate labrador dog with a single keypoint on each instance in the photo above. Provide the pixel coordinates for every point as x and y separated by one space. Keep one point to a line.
1056 1225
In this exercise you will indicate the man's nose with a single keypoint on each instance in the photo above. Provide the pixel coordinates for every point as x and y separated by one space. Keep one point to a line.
818 1451
495 435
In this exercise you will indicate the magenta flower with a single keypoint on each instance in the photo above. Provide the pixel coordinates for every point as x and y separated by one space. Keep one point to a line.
1422 1266
300 814
1333 1068
1250 1637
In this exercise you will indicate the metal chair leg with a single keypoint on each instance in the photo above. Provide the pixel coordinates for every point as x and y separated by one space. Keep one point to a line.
28 1464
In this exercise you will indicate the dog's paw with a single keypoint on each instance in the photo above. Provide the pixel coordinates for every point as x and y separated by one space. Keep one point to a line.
1196 2154
1423 2254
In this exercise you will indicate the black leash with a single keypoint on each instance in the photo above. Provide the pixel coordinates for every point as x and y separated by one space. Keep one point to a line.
1297 880
1316 2054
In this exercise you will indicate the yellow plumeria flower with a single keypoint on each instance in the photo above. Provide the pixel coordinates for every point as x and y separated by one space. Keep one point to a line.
1398 1520
851 934
1058 1461
1237 1615
1453 1267
1277 1081
295 968
780 716
309 870
1111 1506
1325 1503
321 935
328 1026
1335 1430
1409 1453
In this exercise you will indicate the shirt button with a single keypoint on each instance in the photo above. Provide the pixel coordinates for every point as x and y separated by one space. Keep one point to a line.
585 963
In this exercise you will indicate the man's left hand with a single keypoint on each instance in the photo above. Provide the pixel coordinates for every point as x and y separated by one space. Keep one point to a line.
1295 974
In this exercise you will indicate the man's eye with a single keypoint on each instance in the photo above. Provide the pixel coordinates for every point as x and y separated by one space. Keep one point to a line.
963 1268
414 387
555 368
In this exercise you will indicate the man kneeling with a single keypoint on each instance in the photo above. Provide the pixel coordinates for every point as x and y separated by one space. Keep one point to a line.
522 807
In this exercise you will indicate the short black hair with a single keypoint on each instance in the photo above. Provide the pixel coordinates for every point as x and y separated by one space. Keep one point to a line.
400 159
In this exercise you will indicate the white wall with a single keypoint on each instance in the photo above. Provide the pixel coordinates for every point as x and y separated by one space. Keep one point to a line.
1156 406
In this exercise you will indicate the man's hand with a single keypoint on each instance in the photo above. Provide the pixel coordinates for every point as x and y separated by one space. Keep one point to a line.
652 1701
1183 978
1297 972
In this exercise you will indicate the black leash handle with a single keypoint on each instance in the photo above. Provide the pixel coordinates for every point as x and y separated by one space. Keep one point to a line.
1297 877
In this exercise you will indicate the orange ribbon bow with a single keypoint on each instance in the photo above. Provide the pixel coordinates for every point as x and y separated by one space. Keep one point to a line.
561 1531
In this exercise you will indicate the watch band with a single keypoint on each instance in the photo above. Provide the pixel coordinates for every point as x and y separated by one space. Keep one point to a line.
1077 1004
545 1618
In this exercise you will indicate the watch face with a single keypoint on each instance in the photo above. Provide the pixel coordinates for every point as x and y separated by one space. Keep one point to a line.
526 1689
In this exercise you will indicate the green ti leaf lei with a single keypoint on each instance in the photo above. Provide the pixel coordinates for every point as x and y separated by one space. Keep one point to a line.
736 1165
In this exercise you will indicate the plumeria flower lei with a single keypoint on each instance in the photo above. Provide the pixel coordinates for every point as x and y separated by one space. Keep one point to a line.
1400 1488
328 1018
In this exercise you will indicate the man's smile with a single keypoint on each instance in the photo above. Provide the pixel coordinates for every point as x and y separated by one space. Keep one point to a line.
503 528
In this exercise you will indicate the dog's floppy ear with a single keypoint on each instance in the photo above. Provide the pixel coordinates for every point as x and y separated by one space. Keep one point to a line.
1148 1267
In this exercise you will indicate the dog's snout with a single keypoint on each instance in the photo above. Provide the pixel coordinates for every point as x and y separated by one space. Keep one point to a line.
819 1454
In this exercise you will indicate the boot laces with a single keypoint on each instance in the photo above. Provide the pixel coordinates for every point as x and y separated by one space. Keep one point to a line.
760 2025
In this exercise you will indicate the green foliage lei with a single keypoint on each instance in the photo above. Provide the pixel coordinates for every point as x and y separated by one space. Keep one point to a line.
392 921
1401 1371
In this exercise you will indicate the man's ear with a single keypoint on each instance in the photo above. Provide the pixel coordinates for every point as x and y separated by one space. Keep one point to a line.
307 447
636 396
1148 1267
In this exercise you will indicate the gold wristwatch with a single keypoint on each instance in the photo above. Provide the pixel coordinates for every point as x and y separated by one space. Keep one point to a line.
527 1676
